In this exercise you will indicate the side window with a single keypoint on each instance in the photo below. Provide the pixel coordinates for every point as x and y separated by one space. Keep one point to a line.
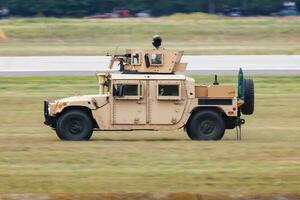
127 90
131 90
156 59
169 91
135 59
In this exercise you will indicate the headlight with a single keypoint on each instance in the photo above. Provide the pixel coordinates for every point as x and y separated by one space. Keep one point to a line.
60 105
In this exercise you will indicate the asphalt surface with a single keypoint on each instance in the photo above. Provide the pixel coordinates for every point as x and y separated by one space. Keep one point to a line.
89 65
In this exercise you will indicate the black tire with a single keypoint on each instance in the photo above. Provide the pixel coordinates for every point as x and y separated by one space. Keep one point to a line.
206 125
74 125
248 107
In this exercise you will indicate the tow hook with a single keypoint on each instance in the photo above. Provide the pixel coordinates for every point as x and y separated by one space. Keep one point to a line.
239 123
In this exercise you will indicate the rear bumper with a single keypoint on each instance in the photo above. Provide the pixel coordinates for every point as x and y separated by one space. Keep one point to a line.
49 120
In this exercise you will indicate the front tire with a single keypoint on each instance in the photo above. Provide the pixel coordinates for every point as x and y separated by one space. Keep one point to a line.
74 125
206 125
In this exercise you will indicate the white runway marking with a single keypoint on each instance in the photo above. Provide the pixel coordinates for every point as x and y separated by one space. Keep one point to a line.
64 65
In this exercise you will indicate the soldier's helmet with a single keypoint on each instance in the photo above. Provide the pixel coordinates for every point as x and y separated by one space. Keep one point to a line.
156 41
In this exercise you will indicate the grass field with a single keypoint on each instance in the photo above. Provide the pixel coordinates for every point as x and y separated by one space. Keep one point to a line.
32 159
194 33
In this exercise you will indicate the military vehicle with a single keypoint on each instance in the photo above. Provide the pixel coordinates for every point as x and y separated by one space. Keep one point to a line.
150 92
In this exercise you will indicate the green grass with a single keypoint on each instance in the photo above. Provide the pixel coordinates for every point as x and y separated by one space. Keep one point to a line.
194 33
32 159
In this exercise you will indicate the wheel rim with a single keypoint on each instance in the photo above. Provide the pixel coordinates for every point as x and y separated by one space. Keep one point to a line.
75 126
207 127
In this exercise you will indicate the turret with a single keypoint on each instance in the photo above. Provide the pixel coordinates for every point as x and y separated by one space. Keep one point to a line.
156 60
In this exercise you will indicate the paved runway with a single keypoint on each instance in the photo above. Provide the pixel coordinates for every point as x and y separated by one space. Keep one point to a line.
87 65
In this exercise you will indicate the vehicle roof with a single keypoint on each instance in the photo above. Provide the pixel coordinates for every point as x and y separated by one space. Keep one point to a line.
148 76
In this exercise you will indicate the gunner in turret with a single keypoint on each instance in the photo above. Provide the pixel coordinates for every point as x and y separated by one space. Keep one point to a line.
156 59
156 41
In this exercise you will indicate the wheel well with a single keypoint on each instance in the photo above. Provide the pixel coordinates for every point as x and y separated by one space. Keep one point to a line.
207 108
83 109
227 120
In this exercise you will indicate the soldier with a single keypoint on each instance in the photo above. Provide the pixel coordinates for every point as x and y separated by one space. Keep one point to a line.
156 41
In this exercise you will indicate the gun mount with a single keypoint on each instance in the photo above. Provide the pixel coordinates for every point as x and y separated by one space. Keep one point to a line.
156 60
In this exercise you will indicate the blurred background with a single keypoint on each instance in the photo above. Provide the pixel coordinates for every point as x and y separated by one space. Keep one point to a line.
145 8
217 27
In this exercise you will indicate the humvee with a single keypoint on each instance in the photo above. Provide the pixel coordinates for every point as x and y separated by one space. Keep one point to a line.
150 92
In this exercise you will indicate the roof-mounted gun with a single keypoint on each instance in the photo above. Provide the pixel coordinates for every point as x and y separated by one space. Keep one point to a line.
156 60
123 59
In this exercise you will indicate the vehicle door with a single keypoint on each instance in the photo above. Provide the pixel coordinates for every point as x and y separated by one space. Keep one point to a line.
167 100
129 102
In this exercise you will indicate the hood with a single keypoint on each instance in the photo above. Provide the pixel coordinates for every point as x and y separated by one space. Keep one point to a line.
82 98
89 101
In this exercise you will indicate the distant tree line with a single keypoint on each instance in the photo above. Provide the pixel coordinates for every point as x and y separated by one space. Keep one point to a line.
79 8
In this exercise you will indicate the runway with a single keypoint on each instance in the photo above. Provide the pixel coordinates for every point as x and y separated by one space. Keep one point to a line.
89 65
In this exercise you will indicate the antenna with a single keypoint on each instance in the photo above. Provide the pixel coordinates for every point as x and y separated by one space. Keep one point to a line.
216 80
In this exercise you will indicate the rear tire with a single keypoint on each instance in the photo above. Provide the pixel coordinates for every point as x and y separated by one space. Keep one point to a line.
248 107
74 125
206 125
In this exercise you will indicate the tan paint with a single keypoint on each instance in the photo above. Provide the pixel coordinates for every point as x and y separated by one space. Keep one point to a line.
215 91
170 61
127 109
201 91
149 109
221 91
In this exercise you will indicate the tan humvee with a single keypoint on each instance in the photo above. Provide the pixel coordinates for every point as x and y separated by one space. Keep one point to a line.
147 94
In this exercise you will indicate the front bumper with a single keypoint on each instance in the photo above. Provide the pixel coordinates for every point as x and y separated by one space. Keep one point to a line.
49 120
